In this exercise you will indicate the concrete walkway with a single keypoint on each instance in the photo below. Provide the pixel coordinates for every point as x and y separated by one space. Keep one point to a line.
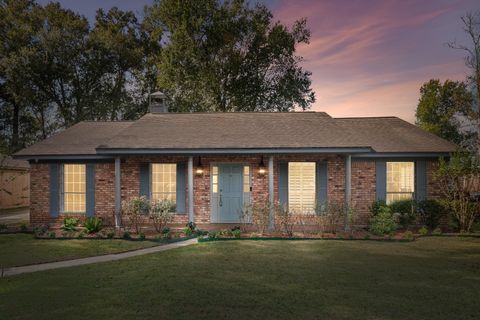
105 258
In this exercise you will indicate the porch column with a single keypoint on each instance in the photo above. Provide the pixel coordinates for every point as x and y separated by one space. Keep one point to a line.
271 198
118 194
190 189
348 188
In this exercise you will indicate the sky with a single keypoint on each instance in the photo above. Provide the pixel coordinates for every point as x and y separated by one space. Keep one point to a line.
367 57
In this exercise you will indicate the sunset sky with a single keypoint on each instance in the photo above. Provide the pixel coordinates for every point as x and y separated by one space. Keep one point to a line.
368 57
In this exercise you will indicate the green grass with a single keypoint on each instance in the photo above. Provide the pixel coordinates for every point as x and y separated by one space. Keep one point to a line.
24 249
432 278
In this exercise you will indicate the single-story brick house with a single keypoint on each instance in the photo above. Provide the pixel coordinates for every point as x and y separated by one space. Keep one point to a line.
211 164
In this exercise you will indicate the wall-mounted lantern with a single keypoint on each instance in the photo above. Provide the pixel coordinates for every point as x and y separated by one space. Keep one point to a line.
261 169
199 168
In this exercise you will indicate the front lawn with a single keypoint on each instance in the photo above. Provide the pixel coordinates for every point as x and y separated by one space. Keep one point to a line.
24 249
431 278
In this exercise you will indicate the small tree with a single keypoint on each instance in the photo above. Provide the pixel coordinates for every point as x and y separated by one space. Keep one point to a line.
134 209
459 179
261 215
284 219
161 213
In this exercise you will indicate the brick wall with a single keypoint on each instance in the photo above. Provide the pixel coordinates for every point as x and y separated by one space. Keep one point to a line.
363 184
39 194
363 188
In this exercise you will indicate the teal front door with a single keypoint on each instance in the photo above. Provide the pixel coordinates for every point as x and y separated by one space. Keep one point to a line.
230 198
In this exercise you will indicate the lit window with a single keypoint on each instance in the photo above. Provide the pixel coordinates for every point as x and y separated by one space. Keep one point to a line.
301 186
74 190
215 179
164 181
400 181
246 178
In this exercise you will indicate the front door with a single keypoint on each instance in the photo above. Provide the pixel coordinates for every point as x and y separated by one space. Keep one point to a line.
230 197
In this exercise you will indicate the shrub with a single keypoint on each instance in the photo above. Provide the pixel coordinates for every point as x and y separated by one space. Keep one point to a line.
405 210
376 206
430 212
408 235
459 181
237 233
284 219
134 209
23 227
40 231
110 235
93 224
166 233
81 235
437 232
161 213
188 232
126 235
261 215
245 216
383 222
142 237
329 216
52 235
3 227
213 234
423 231
70 224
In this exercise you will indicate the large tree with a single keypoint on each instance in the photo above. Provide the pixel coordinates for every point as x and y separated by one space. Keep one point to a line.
442 107
57 70
471 27
229 56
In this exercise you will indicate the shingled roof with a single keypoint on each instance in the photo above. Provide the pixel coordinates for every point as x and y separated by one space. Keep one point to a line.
195 131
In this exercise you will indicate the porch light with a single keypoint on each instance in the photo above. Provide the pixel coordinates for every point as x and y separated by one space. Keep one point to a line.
262 169
199 169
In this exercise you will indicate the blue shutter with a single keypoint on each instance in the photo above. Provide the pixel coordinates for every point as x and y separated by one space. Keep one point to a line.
421 180
283 183
54 189
381 185
145 180
181 188
322 183
90 184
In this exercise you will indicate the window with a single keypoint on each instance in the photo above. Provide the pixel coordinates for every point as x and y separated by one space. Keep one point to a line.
400 181
215 179
301 186
246 178
164 181
74 189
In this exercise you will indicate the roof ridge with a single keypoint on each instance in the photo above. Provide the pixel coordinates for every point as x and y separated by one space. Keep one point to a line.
369 117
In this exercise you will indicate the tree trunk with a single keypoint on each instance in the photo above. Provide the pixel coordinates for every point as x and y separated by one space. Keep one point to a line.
15 127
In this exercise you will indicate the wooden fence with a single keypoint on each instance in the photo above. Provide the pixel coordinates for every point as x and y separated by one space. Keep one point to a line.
14 185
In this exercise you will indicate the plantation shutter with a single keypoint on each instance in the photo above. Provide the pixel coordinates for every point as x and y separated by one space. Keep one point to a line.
283 183
421 180
181 188
54 189
145 180
322 183
381 180
90 184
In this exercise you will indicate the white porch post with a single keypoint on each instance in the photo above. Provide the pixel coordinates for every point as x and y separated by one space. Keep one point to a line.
118 194
271 198
348 188
190 189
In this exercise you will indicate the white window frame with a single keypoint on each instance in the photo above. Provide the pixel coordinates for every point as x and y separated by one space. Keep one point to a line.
62 189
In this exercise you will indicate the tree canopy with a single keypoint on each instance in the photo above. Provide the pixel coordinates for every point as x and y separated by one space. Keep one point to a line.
56 69
441 108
